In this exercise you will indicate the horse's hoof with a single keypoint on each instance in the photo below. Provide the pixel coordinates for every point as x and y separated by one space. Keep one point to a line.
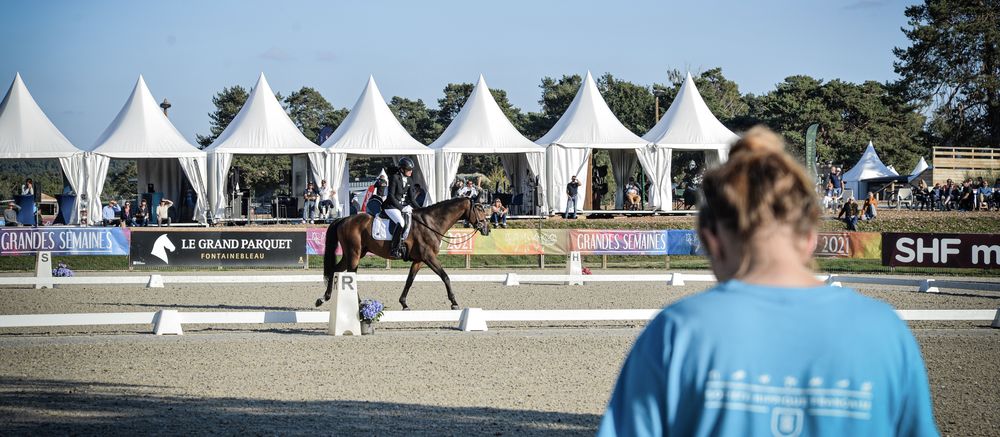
455 307
406 308
319 302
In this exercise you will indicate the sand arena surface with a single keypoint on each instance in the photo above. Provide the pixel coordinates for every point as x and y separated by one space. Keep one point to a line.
408 379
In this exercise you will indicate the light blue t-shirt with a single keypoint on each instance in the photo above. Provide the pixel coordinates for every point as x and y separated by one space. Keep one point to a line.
743 359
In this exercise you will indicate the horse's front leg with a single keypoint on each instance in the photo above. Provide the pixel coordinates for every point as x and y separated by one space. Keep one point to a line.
435 265
414 268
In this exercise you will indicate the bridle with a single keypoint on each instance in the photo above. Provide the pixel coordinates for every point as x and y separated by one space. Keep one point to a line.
480 226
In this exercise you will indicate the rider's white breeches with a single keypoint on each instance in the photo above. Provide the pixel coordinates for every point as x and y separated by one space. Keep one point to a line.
396 216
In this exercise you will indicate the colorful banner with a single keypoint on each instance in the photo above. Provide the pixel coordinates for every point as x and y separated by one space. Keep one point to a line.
981 251
618 242
64 241
866 245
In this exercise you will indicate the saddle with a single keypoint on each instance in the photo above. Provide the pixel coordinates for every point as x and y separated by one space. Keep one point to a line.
382 226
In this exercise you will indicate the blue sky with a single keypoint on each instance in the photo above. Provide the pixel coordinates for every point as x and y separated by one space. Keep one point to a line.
81 59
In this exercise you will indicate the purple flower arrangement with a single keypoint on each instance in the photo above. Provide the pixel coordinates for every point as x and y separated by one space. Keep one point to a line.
371 310
62 270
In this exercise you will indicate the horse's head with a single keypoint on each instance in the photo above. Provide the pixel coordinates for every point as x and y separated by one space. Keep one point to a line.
479 216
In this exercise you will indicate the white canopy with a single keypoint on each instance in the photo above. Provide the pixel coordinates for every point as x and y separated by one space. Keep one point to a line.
481 127
588 124
687 125
868 167
370 129
26 133
142 132
920 168
260 128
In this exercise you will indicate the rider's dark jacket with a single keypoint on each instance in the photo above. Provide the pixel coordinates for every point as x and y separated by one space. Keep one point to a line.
400 193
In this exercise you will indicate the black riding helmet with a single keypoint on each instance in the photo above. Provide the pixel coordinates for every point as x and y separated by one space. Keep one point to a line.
405 164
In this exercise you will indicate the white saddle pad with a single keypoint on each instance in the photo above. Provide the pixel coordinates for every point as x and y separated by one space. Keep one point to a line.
380 229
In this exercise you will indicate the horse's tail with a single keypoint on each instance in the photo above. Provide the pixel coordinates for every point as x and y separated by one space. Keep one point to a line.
330 257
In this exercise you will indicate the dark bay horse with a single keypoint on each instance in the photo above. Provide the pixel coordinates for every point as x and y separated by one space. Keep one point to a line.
429 226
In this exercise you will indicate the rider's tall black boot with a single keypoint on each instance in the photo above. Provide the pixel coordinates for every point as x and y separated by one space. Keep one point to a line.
397 249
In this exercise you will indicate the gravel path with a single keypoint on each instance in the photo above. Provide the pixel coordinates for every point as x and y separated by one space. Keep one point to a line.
516 379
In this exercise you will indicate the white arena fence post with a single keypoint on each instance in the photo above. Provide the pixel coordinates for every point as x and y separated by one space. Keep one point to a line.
472 320
43 270
344 318
167 322
155 281
676 279
511 280
996 319
928 286
574 268
832 281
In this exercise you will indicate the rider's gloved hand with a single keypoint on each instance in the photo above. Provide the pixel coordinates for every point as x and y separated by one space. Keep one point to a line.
407 209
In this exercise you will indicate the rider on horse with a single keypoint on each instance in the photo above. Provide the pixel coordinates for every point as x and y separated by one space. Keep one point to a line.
397 201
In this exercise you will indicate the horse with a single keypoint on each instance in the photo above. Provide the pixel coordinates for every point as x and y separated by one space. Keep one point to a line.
428 227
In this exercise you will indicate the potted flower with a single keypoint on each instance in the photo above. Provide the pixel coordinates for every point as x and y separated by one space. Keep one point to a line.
369 312
62 270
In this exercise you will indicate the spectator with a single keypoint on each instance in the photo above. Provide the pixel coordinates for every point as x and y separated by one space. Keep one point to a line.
709 364
966 199
632 197
163 212
850 214
326 206
128 214
110 214
28 189
10 214
421 195
572 189
870 205
381 186
985 194
141 217
499 216
309 207
835 179
482 194
456 188
469 190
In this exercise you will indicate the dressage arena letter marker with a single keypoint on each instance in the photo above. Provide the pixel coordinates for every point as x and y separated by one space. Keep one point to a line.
574 268
43 269
344 318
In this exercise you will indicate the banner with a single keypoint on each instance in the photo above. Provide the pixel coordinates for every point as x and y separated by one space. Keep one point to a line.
223 248
618 242
980 251
866 245
64 241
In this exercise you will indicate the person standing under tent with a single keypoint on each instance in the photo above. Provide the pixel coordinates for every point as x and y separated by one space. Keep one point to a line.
309 207
355 204
770 350
397 202
572 189
326 206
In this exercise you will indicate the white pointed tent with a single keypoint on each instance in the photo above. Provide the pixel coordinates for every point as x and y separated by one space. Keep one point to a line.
588 124
869 166
482 128
26 133
260 128
370 129
687 125
920 168
141 132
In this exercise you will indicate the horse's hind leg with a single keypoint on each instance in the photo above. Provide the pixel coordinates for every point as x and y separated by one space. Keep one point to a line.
342 266
414 268
329 291
435 265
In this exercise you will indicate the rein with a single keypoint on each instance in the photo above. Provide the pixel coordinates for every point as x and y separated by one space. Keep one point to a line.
451 240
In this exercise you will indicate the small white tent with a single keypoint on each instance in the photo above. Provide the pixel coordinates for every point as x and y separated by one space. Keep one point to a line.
687 125
26 133
260 128
371 129
141 132
920 168
588 124
482 128
868 167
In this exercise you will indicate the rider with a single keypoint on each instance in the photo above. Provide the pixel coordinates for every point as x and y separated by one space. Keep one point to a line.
397 201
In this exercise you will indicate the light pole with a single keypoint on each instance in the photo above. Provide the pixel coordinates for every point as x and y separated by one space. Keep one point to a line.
165 105
657 93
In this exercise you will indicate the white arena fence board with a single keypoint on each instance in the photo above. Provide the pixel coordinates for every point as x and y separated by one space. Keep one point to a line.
323 317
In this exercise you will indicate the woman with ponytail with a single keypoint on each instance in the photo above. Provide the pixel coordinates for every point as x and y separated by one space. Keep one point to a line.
770 350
